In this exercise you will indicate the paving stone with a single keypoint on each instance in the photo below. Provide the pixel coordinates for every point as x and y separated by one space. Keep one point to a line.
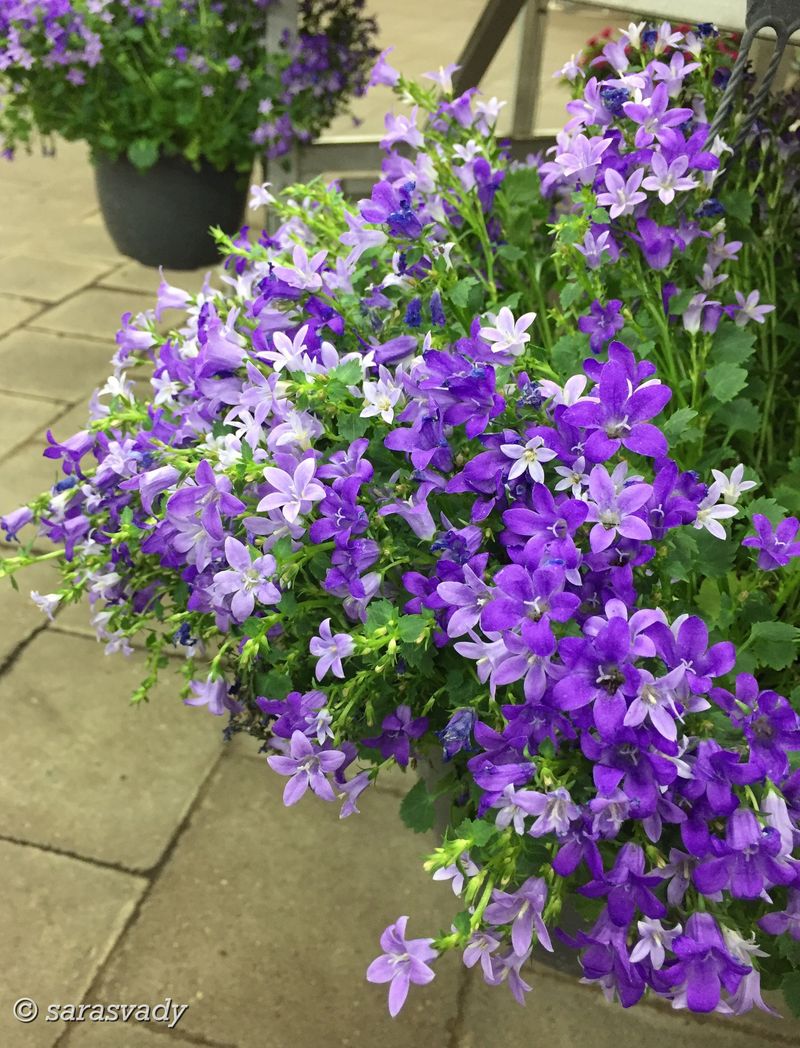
561 1013
104 1035
45 364
85 773
15 311
18 613
265 919
22 418
133 276
59 919
95 312
36 278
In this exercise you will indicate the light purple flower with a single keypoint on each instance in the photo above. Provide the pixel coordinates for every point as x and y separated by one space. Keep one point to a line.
248 579
404 962
615 513
521 909
668 179
622 196
330 649
307 765
294 493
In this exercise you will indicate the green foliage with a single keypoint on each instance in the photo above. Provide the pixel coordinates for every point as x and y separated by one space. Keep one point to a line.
726 380
774 644
416 809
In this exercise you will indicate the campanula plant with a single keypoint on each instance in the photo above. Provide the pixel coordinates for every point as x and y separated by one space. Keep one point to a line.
389 524
185 78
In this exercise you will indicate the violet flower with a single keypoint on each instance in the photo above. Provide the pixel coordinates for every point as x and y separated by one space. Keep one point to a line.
398 730
704 964
777 545
330 649
522 909
307 765
248 579
404 962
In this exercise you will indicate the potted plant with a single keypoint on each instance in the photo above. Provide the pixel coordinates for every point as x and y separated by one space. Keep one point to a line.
391 521
175 100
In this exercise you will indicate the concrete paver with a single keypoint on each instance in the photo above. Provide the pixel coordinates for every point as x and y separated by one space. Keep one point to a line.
59 919
48 364
29 277
95 312
14 311
561 1013
83 772
265 919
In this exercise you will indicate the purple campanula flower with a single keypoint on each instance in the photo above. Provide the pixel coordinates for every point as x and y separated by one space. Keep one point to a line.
776 546
522 909
704 965
481 946
772 729
351 790
294 493
455 736
749 863
602 324
621 196
668 178
749 309
248 579
615 513
614 415
398 730
628 888
457 873
330 649
784 922
213 694
469 598
404 962
657 242
306 765
12 523
654 116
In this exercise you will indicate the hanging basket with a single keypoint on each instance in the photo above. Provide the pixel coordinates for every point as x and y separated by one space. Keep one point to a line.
162 216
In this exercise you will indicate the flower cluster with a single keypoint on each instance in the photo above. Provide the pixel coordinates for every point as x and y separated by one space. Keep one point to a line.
182 77
390 523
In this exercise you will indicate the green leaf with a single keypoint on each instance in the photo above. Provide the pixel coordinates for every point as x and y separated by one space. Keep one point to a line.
677 429
739 416
567 354
770 508
411 627
461 923
379 613
273 684
570 293
738 203
460 294
790 988
416 809
352 426
708 599
732 345
143 152
479 831
510 253
253 627
774 643
725 381
714 556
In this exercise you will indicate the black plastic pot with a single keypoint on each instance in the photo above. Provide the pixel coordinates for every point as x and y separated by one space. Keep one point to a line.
162 216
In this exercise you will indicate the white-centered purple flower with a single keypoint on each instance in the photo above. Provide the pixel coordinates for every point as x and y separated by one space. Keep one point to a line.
615 513
304 272
403 962
654 941
668 179
307 765
248 580
329 649
294 493
622 195
522 909
457 872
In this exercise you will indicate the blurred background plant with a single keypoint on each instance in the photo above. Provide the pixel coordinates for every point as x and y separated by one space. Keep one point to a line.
185 78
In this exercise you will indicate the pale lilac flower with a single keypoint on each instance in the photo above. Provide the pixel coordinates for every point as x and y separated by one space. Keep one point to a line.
554 812
569 394
294 493
673 74
289 353
528 457
303 273
732 487
403 962
667 179
615 512
582 157
329 649
571 69
351 791
654 940
514 806
655 701
46 603
573 477
306 766
248 579
521 909
213 694
170 297
487 114
402 129
507 336
748 993
749 309
711 511
444 77
359 237
381 397
260 196
480 947
456 873
622 196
